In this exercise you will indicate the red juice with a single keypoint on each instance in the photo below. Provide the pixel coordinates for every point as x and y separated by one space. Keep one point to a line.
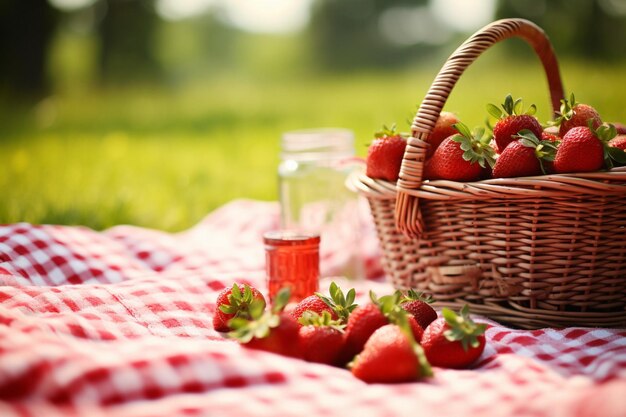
292 260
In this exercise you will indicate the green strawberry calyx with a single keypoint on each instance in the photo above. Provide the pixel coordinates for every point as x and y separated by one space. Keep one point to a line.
390 306
510 107
566 111
475 145
388 132
413 295
461 328
545 150
311 318
341 304
240 303
606 132
261 321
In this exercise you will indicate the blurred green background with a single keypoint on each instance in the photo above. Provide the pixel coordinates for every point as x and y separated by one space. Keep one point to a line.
154 113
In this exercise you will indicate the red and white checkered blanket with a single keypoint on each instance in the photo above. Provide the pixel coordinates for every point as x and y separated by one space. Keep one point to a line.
119 323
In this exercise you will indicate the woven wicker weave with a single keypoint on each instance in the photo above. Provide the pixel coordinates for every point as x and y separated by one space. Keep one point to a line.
533 252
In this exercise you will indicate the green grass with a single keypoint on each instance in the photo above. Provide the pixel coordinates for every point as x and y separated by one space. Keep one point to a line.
163 158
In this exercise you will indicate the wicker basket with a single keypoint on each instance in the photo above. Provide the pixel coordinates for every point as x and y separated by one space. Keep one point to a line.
545 251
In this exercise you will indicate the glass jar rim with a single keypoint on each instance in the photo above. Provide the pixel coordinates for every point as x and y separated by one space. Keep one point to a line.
318 140
290 237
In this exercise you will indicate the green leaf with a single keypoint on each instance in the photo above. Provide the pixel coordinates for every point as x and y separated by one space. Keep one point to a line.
463 129
517 106
527 142
466 145
236 292
416 295
464 310
617 154
508 105
531 110
449 315
494 111
605 132
273 321
350 297
281 300
341 304
256 308
461 327
228 309
247 292
468 155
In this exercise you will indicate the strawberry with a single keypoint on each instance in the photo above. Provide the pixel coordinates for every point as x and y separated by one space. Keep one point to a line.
618 141
550 137
575 114
443 129
454 341
416 329
460 157
363 321
620 127
585 149
617 150
512 120
342 305
390 355
384 155
320 338
234 302
337 304
419 307
524 157
312 303
272 331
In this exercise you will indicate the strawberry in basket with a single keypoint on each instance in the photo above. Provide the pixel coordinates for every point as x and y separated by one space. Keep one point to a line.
525 157
461 157
619 142
384 155
574 114
620 127
512 119
587 149
442 130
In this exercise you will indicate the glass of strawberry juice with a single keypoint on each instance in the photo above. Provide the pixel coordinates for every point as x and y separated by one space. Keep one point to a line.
292 260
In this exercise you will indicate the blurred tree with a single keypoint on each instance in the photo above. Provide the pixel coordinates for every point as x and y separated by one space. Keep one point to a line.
127 40
347 34
593 29
26 29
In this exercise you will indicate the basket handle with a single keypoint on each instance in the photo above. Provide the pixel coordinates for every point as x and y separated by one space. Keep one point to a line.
407 214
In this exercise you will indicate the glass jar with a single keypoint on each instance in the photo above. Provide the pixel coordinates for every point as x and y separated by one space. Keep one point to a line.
292 260
314 198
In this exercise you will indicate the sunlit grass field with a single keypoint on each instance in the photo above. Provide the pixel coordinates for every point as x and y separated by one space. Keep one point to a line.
164 157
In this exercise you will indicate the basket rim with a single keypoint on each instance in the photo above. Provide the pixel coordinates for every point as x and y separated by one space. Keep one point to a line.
609 182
